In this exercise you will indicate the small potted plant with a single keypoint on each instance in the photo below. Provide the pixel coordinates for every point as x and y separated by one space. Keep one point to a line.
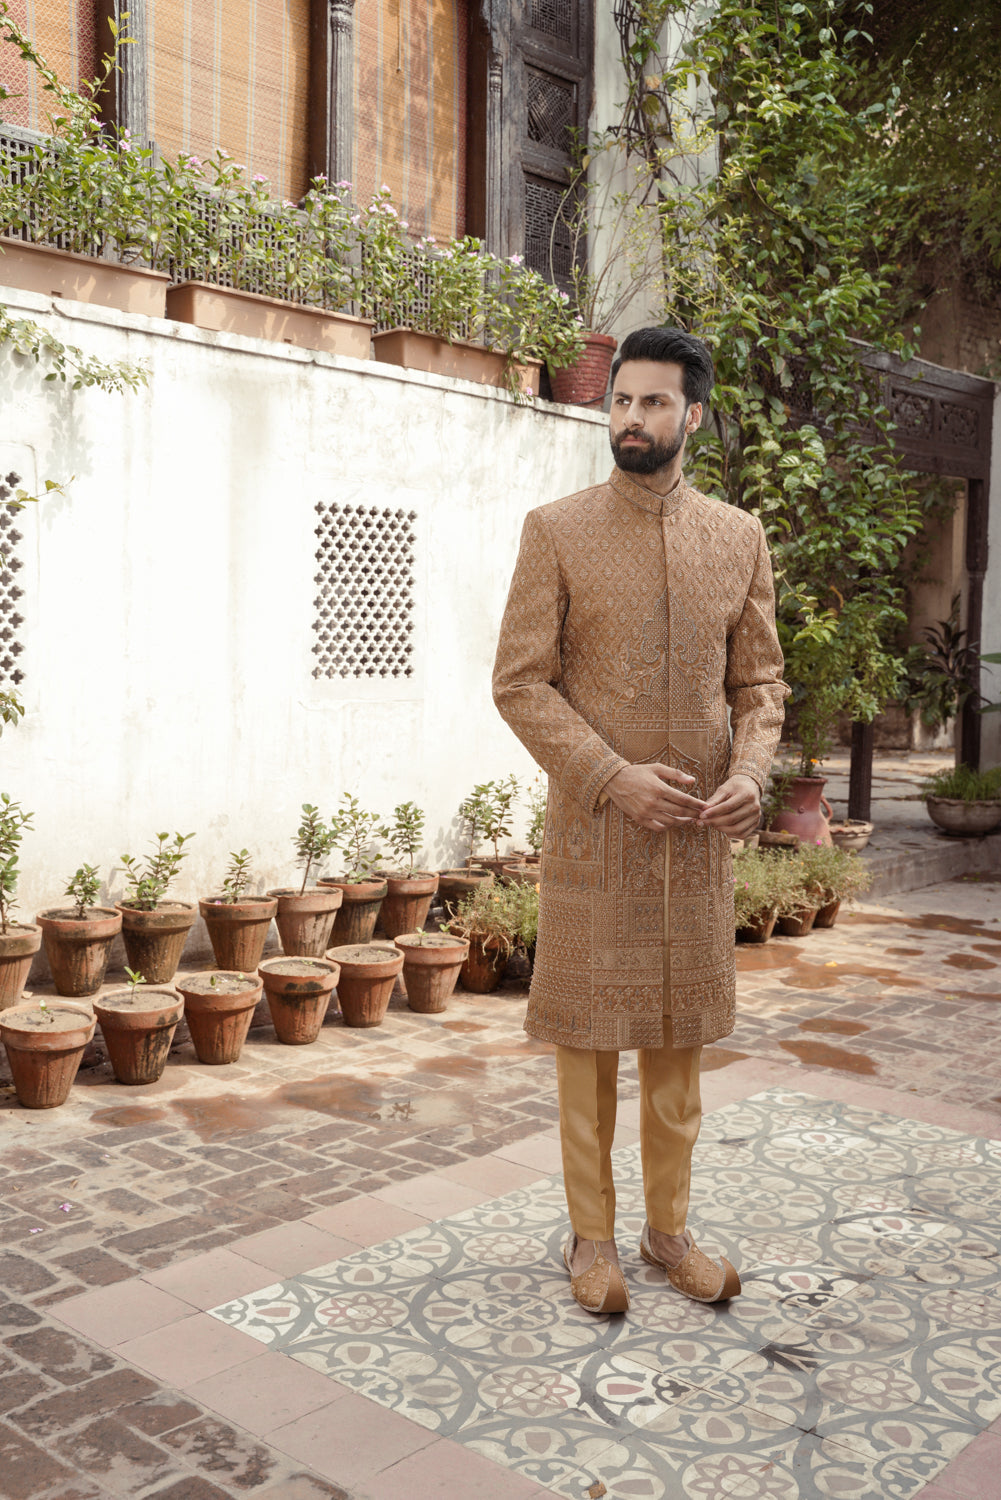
138 1022
305 916
763 884
538 801
362 886
237 922
155 929
298 992
219 1008
834 875
368 974
78 939
410 892
803 897
964 802
19 942
44 1042
489 920
488 812
431 965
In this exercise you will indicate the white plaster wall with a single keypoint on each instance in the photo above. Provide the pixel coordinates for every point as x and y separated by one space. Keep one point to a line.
990 684
169 595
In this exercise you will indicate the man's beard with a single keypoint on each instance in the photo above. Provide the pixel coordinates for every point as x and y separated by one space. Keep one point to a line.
649 457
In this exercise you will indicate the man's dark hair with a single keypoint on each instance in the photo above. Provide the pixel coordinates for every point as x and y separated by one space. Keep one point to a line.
672 346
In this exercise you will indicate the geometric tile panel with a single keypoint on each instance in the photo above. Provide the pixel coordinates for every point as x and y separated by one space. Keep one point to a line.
363 620
863 1354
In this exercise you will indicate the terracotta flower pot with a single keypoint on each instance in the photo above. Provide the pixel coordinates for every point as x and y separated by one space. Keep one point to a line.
138 1028
453 885
18 946
806 811
431 965
238 930
154 940
228 310
525 874
77 948
407 902
359 910
63 273
758 931
965 820
798 923
827 915
306 921
298 992
368 973
484 966
585 383
424 351
219 1008
44 1047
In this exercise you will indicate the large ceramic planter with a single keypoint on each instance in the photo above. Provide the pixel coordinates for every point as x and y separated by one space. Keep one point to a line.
154 940
138 1027
219 1008
359 910
966 820
298 993
455 885
44 1047
758 931
798 923
484 965
238 930
806 812
408 901
585 383
83 278
464 361
226 310
77 948
18 946
431 965
368 973
306 920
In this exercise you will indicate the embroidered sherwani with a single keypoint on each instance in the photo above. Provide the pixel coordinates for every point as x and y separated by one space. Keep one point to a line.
634 620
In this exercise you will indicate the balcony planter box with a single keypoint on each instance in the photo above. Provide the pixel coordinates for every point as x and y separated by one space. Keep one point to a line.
226 310
586 382
463 361
83 278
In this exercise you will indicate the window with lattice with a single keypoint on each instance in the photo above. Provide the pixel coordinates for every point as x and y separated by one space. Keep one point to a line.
364 605
11 620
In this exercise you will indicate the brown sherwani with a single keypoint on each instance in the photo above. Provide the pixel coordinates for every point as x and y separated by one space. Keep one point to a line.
632 622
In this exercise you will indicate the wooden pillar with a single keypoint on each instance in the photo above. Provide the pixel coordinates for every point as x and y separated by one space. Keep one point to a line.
331 89
125 101
860 774
488 55
976 567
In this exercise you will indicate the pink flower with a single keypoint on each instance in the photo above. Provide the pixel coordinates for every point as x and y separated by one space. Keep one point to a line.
343 184
516 260
259 177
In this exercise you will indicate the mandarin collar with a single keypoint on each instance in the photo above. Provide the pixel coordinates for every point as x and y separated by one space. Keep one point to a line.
648 500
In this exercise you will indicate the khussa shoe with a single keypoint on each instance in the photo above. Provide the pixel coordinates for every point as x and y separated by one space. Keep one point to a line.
599 1289
696 1275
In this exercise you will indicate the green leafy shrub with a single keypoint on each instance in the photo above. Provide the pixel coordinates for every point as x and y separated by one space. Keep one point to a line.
964 784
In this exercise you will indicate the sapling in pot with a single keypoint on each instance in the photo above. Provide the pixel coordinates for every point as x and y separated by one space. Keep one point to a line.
147 884
363 884
237 878
18 942
78 939
405 835
237 922
154 929
313 841
306 917
410 892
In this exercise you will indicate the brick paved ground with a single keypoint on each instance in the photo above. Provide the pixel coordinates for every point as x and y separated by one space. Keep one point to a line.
214 1182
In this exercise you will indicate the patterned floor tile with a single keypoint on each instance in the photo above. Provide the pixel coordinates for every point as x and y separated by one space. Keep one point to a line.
862 1356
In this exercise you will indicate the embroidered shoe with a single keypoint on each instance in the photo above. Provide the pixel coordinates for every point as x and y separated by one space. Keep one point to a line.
695 1276
599 1289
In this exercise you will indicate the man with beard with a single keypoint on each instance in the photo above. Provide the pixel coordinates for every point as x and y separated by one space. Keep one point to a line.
640 610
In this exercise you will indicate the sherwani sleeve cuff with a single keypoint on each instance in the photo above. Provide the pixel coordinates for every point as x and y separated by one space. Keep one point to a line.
588 772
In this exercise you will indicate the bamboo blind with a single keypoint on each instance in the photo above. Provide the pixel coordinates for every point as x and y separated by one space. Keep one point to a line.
64 33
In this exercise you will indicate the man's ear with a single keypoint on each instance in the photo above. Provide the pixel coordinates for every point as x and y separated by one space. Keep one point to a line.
694 419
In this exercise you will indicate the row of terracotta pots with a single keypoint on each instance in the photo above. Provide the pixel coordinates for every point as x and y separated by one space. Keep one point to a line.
338 912
45 1041
797 924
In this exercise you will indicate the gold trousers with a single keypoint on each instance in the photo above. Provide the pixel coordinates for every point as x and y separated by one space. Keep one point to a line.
670 1116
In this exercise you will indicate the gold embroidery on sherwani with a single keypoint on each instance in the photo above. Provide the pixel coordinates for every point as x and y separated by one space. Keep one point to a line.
633 621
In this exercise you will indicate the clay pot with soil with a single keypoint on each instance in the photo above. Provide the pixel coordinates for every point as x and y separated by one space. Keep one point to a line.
798 923
138 1024
408 901
361 903
305 916
485 964
44 1043
219 1008
19 942
368 973
18 946
455 885
238 922
154 929
431 965
298 992
77 947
